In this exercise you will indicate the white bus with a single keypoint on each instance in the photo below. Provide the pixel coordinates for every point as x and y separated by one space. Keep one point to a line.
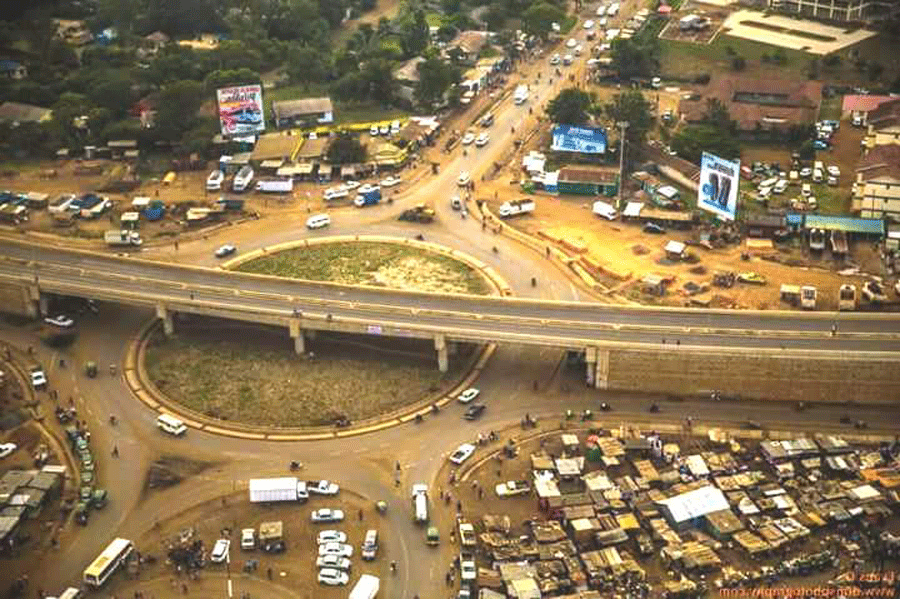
106 563
420 502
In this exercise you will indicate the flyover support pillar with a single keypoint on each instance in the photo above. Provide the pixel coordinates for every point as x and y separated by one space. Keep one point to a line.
590 361
32 301
165 315
440 344
299 337
601 374
43 304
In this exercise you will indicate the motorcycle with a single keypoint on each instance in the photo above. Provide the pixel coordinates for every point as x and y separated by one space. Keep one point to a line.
295 465
533 281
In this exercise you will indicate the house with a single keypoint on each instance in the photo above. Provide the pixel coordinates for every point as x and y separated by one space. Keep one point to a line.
306 111
877 188
687 509
858 106
10 69
589 180
156 40
73 32
883 124
407 77
277 146
844 11
15 112
467 45
758 104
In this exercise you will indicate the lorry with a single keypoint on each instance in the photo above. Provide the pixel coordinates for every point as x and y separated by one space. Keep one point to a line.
838 242
242 179
286 488
847 297
808 297
417 214
366 587
604 210
282 185
122 238
271 536
516 207
420 503
816 240
521 94
466 534
368 198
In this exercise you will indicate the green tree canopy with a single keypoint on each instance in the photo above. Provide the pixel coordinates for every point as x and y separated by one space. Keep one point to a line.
633 108
346 149
435 78
635 58
693 140
570 107
539 18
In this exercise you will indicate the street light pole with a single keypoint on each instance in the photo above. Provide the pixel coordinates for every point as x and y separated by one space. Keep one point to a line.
623 125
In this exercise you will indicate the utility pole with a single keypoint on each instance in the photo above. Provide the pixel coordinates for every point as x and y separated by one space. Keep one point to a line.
623 125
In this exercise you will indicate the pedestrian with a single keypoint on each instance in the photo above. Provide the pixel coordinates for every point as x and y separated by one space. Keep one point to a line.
360 514
184 588
833 329
480 493
396 482
269 573
115 451
458 505
397 466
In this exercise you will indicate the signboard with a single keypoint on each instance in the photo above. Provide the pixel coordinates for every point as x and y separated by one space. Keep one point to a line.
241 110
569 138
718 190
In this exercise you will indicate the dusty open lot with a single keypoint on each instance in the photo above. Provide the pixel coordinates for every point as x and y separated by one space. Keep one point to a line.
797 34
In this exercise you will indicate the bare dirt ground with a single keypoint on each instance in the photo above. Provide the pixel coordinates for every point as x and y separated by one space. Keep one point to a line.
379 264
293 572
251 374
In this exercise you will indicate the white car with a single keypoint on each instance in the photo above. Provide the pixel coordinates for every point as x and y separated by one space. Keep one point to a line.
554 60
482 139
326 514
373 130
462 453
368 187
512 488
467 570
333 577
323 487
60 320
571 43
339 549
605 47
332 560
226 250
38 379
468 138
7 449
834 171
248 539
220 551
463 179
350 185
589 24
468 395
384 129
806 172
390 181
331 536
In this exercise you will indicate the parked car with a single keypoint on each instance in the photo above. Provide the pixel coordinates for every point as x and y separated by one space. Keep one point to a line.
333 560
390 181
654 228
339 549
60 320
571 43
462 453
220 551
226 250
468 395
463 179
7 449
833 170
333 577
38 378
248 539
872 291
331 536
474 411
512 488
554 60
373 130
326 514
322 487
482 139
468 138
806 172
351 185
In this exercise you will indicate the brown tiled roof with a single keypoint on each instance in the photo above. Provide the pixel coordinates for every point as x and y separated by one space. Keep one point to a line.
588 174
885 115
880 161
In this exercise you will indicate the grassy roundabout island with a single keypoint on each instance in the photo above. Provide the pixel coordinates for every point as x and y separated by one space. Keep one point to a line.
250 374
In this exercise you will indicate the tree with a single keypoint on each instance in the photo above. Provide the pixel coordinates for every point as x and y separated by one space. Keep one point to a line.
413 32
177 108
346 149
570 107
738 63
494 17
693 140
718 116
539 18
435 78
306 65
112 90
633 108
633 58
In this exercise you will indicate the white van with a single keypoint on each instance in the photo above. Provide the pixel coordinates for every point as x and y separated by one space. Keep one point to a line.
318 221
214 181
420 502
818 175
366 587
333 193
370 545
170 424
605 210
521 94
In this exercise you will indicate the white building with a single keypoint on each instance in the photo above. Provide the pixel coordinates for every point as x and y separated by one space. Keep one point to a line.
839 10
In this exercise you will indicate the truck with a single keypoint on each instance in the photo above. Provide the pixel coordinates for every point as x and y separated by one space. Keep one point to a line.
271 536
847 297
466 534
366 587
286 488
516 207
122 238
521 94
808 297
420 503
816 240
242 179
368 198
838 242
467 570
282 185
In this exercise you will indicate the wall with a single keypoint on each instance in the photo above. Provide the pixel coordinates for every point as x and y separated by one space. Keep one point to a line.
14 300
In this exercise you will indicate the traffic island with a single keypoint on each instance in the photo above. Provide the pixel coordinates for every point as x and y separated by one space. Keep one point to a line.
243 380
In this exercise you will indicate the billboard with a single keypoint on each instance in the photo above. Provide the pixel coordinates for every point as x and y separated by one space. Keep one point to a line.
569 138
241 110
718 190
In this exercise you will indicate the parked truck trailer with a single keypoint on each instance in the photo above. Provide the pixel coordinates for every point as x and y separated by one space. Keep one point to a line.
269 490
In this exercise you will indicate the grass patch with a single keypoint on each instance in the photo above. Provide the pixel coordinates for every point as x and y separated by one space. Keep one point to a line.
369 263
434 19
567 24
830 109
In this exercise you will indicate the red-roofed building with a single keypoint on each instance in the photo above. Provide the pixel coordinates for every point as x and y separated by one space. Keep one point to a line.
884 124
859 106
877 187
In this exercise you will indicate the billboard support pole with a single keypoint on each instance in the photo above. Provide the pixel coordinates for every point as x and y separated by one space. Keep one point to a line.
622 126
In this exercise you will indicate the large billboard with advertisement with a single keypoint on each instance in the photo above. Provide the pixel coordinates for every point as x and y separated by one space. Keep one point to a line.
241 110
718 190
587 140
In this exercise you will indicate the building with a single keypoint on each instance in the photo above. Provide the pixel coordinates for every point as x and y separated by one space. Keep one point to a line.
303 112
156 40
839 10
883 124
10 69
275 146
858 106
15 112
407 77
73 32
877 189
467 45
688 509
589 180
759 104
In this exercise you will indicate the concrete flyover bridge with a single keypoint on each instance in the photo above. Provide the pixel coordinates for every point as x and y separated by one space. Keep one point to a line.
624 347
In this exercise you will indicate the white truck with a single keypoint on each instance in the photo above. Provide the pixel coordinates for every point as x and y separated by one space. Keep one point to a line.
420 503
242 179
521 94
268 490
122 238
516 207
285 185
366 587
604 210
466 534
808 297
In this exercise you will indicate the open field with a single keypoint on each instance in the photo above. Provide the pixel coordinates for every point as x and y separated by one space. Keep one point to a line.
368 263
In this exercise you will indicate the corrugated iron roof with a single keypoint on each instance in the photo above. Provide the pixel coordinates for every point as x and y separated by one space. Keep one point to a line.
869 226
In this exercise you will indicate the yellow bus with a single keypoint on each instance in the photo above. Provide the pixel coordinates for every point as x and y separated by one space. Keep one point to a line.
106 563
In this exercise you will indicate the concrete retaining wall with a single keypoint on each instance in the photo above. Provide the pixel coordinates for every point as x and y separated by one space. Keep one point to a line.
683 371
14 300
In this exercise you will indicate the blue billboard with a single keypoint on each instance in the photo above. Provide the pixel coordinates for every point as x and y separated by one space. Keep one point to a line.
586 140
718 190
